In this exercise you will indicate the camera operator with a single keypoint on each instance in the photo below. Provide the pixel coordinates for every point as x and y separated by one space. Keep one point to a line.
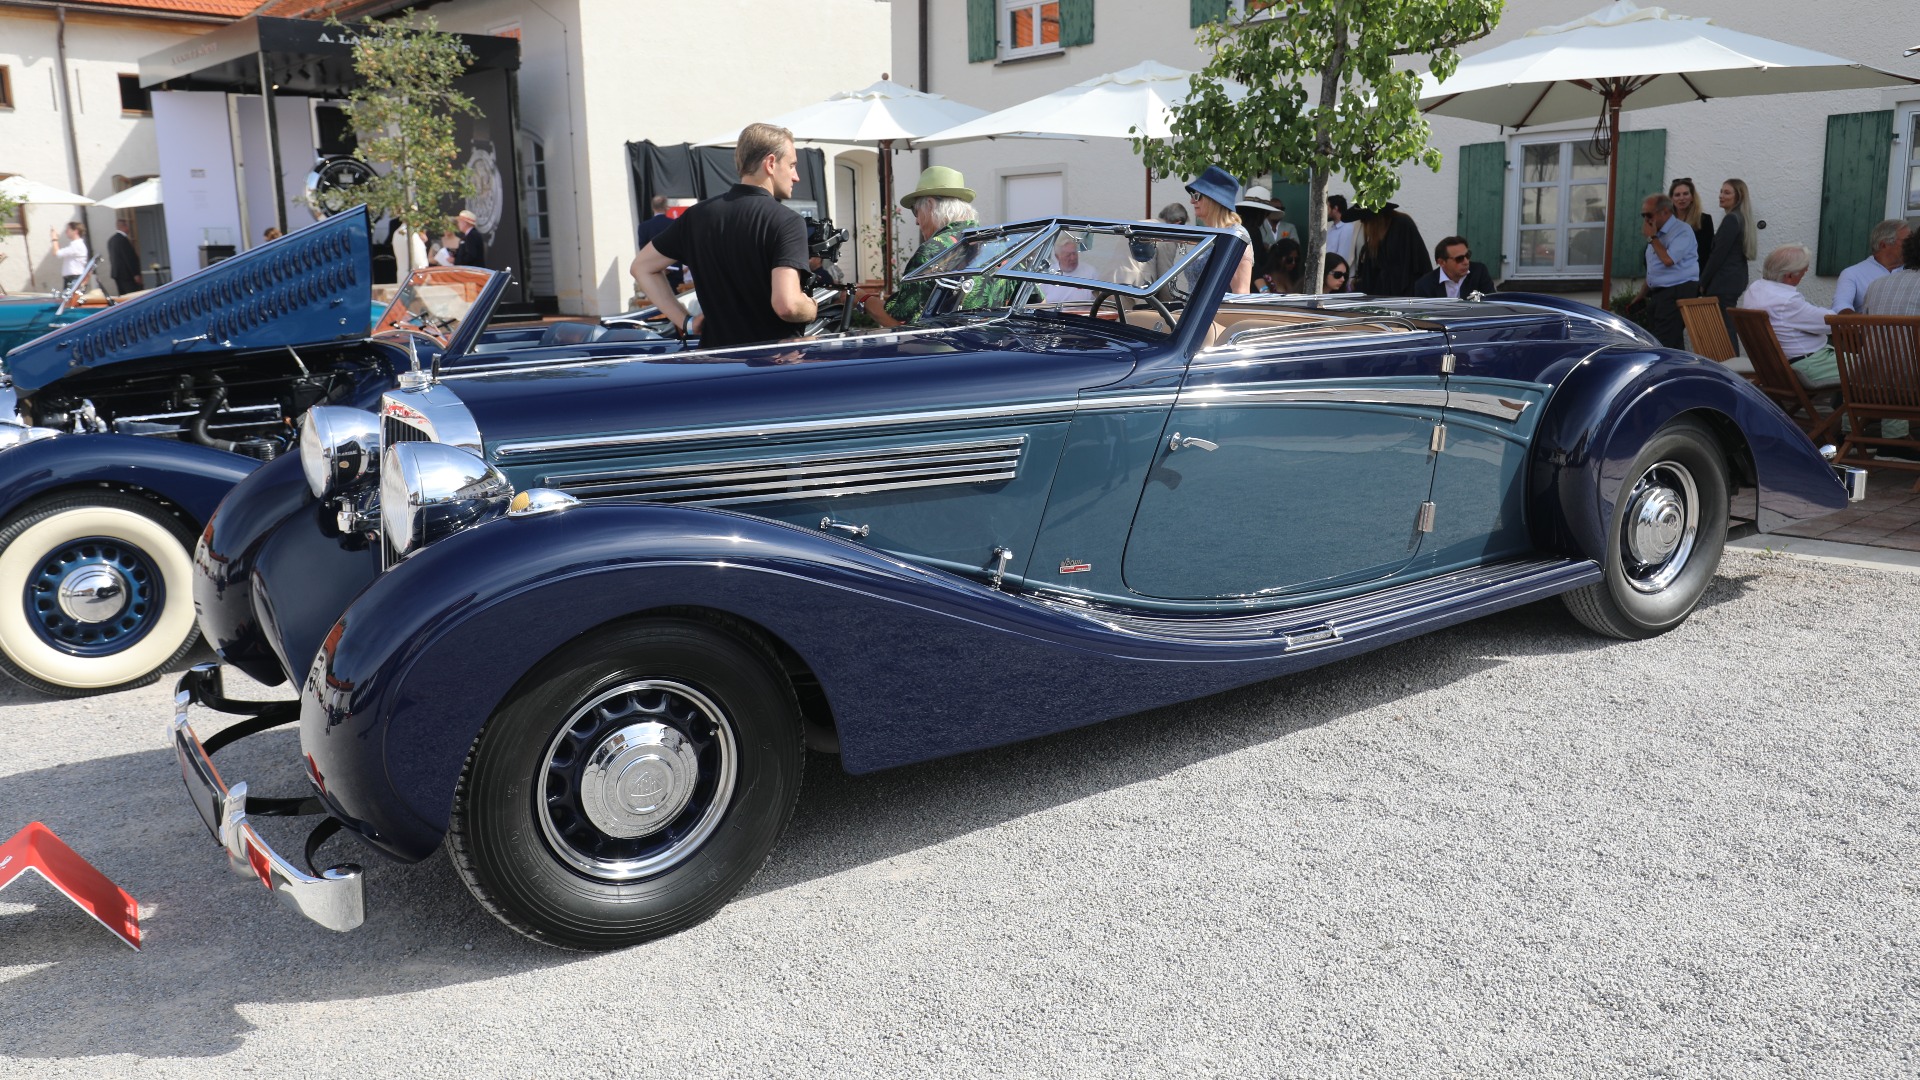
748 252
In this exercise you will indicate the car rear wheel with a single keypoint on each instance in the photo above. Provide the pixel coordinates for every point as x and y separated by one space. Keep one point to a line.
96 593
1668 531
630 787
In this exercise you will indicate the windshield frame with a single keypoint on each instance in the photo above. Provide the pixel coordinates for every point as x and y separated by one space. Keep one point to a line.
1045 232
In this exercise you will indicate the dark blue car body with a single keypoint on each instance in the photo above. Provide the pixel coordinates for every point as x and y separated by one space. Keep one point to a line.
982 529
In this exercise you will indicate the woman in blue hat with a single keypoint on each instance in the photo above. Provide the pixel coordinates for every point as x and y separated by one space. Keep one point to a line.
1213 194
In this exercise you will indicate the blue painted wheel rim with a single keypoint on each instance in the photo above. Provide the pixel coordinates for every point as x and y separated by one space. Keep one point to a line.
145 595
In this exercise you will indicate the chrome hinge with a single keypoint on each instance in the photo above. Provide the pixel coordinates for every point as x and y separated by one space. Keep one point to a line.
1446 363
999 572
1426 518
1438 443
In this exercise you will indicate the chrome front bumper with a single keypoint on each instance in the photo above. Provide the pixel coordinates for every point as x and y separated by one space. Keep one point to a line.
334 899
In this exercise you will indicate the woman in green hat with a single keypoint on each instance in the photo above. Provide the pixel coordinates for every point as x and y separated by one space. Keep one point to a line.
942 205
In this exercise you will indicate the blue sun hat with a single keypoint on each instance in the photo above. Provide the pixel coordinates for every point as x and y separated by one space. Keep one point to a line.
1217 184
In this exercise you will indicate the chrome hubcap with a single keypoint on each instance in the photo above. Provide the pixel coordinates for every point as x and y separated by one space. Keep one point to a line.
637 779
1662 517
93 594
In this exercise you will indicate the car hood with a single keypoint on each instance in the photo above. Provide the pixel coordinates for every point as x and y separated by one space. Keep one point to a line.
1003 362
308 287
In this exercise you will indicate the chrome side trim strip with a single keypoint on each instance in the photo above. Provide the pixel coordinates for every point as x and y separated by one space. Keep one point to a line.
1500 408
515 367
1351 395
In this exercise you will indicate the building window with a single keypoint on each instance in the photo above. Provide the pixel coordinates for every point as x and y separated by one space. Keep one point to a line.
6 88
1247 9
135 98
1028 28
1560 217
536 209
1907 179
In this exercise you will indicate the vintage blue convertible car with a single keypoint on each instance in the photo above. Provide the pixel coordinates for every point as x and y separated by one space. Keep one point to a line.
25 316
121 432
579 622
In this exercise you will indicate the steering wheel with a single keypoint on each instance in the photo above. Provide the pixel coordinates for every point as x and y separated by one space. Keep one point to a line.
1101 297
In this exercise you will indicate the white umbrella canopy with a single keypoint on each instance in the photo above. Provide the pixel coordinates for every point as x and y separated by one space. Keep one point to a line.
1118 105
884 111
1627 57
22 190
144 193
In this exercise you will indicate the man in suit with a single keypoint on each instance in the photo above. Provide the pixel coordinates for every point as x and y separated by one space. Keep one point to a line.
473 247
123 262
1455 273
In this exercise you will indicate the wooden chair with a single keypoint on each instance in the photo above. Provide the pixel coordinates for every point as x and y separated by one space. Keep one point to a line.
1775 377
1706 329
1879 380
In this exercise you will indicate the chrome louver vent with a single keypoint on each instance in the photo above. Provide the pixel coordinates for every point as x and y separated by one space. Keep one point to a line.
395 430
853 472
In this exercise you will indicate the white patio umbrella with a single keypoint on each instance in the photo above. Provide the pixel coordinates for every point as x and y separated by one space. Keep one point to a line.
1117 105
1628 57
22 190
144 193
879 115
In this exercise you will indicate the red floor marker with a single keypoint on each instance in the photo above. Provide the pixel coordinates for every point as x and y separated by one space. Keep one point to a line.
36 848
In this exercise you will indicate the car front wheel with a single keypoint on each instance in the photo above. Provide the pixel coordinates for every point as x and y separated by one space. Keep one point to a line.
630 787
1668 531
96 593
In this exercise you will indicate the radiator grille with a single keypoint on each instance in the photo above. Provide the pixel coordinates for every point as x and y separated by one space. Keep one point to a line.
395 430
853 472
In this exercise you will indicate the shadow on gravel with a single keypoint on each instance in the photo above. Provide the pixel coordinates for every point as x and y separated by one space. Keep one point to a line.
217 943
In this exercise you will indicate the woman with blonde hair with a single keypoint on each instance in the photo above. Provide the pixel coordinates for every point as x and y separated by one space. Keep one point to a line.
1213 194
1686 207
1723 272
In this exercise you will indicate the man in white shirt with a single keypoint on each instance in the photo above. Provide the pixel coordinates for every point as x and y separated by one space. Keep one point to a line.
72 254
1799 326
1339 229
1883 241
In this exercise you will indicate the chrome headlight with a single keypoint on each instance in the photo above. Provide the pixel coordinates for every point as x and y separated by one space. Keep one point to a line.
337 446
431 490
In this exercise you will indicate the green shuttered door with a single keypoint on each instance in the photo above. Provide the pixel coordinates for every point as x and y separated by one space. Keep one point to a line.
982 42
1643 166
1206 11
1853 193
1076 23
1482 203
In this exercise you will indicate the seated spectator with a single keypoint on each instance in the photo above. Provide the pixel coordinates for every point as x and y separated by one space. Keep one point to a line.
1883 256
1898 293
1455 273
1282 272
1799 326
1334 279
1174 214
1066 262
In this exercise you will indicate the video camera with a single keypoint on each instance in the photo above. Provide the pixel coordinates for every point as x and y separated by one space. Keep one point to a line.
823 243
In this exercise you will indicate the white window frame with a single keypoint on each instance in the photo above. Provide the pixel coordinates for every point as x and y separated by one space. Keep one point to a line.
1906 157
1516 173
1004 10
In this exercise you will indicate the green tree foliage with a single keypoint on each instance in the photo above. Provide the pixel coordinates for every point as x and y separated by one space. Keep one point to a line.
8 207
1362 123
403 113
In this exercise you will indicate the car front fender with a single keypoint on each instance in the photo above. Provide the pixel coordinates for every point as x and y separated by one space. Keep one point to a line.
1606 410
192 477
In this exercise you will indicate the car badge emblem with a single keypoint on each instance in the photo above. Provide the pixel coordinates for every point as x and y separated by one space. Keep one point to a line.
1074 566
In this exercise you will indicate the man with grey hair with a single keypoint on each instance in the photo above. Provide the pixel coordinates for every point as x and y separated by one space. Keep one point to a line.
1673 268
1898 293
942 206
1799 326
1883 254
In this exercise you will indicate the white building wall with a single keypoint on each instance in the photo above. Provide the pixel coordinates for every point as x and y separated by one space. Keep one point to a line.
33 140
596 74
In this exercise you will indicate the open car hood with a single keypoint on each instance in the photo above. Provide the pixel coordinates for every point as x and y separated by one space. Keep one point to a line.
310 286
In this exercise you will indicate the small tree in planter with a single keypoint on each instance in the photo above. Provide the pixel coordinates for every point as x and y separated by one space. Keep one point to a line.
403 112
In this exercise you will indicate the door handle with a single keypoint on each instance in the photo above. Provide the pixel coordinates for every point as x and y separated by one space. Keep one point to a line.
1180 441
849 529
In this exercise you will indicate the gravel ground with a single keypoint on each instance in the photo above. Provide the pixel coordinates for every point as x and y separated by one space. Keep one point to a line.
1505 849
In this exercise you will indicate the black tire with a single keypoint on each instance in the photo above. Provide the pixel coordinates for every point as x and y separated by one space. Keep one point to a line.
524 837
64 644
1664 543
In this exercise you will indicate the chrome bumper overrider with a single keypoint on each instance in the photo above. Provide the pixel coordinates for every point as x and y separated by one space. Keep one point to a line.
333 899
1854 480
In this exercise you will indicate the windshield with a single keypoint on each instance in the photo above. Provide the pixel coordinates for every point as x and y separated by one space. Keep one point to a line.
434 301
1096 271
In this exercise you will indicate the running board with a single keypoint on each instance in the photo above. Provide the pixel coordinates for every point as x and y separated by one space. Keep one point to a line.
1447 598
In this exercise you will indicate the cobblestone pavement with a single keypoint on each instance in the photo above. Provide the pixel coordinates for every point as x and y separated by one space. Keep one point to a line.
1506 849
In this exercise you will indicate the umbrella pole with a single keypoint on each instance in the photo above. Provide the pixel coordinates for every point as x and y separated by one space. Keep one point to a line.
886 214
1147 214
1613 195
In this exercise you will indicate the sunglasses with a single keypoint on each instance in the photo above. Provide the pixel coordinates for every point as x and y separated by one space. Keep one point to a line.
1338 275
1687 180
1462 257
1646 215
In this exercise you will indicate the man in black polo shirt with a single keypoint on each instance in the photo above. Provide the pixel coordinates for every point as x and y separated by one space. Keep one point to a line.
747 251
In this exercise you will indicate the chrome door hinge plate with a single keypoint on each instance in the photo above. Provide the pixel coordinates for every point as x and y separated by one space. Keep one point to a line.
998 573
1438 444
1426 517
1446 363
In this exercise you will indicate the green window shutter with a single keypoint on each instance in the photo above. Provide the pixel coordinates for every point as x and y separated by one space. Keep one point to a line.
1853 193
1642 172
1206 11
1076 23
983 40
1483 203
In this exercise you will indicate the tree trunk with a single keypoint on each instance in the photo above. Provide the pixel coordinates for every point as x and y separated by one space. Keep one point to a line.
1312 260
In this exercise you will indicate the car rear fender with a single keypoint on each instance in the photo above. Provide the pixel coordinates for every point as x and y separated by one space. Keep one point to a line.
1605 411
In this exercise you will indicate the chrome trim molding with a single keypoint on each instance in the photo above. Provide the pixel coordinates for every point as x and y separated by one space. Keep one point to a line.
515 367
335 899
536 501
1493 405
849 472
432 410
831 425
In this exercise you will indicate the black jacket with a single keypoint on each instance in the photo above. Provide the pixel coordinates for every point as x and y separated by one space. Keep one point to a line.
122 261
1477 280
1723 273
472 250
